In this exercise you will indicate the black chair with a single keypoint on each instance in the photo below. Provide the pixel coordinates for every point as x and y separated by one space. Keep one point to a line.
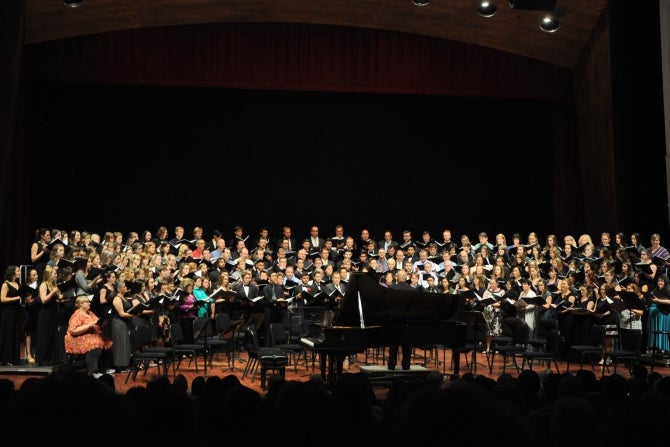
182 349
143 358
592 349
268 358
294 351
152 345
630 342
475 338
539 339
504 339
517 346
506 335
548 353
298 328
204 334
69 361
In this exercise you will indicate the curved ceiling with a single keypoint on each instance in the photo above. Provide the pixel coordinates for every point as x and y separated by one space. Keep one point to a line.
511 30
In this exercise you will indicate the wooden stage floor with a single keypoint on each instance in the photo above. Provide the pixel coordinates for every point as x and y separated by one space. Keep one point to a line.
374 368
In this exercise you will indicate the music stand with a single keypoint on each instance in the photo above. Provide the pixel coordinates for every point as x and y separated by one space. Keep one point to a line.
196 335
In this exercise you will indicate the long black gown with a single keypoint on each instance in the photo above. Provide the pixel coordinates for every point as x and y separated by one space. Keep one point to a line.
10 334
47 346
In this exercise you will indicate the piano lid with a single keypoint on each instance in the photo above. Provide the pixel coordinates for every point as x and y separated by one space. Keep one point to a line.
383 305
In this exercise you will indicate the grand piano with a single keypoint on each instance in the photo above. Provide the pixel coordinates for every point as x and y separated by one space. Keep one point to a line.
371 315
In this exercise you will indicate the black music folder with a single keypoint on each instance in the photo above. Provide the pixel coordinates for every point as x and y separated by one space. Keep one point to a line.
64 286
630 299
177 242
54 242
313 298
659 261
72 263
632 252
335 293
643 267
537 300
222 293
141 306
93 272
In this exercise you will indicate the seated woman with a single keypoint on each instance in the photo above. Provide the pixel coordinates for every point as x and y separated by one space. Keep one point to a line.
84 335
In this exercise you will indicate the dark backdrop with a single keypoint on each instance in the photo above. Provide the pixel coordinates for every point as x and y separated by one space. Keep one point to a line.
137 157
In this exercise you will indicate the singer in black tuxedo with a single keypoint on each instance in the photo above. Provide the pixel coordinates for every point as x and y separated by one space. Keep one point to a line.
275 306
246 291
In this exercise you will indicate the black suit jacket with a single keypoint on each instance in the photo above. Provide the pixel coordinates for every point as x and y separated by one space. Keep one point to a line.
293 243
381 244
244 299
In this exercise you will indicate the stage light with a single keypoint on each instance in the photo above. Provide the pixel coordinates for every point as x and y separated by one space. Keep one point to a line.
487 9
73 3
549 24
420 2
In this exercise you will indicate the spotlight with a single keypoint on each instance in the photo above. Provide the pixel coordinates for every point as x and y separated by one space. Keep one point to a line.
549 24
486 9
420 2
73 3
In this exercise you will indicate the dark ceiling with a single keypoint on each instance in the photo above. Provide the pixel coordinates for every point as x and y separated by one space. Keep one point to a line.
511 30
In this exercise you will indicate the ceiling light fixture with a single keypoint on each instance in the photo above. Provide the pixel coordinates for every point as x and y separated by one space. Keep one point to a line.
73 3
486 9
420 2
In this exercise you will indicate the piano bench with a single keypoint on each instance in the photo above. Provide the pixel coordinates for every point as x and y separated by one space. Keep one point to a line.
273 363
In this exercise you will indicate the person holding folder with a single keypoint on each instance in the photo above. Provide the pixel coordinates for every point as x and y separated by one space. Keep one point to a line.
84 336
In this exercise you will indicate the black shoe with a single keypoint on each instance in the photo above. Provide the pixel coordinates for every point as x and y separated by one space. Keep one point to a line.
391 367
405 367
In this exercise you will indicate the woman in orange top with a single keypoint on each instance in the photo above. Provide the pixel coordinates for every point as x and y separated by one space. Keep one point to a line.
84 335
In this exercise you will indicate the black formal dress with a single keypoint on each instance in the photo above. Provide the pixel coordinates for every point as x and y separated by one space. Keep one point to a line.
10 334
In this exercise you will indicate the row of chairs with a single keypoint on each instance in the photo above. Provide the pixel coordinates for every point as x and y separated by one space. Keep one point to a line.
206 344
285 347
517 343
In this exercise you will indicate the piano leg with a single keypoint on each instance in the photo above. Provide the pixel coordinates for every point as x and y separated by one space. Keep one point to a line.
455 360
331 366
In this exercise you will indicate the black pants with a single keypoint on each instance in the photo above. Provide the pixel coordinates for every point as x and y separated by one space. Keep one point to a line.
406 356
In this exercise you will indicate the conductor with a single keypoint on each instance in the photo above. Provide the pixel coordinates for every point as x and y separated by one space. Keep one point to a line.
400 284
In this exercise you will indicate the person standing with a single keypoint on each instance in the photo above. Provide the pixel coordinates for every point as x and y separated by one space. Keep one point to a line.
121 326
527 312
10 311
47 351
406 349
316 241
39 250
30 292
659 253
275 306
246 292
659 315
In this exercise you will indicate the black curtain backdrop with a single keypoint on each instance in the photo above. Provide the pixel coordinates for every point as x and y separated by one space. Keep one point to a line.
137 157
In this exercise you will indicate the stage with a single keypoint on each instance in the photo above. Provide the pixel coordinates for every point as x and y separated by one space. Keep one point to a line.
27 368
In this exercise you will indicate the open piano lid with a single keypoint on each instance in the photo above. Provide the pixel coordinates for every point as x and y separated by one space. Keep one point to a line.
383 305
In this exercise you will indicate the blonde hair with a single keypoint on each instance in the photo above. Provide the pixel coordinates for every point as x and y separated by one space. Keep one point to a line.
81 299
